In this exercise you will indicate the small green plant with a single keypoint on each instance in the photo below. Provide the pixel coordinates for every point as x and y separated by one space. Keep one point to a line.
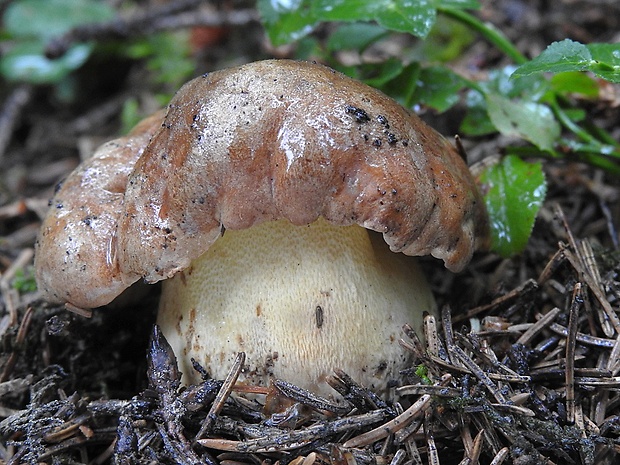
24 281
531 100
421 371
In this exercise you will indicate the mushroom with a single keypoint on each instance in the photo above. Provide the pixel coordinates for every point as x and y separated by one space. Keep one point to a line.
260 197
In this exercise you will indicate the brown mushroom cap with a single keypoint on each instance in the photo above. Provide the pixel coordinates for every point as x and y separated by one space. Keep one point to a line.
268 140
75 251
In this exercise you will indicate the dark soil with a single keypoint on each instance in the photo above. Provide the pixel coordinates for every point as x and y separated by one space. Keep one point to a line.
526 369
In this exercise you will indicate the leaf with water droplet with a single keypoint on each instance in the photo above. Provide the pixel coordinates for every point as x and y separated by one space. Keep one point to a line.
514 191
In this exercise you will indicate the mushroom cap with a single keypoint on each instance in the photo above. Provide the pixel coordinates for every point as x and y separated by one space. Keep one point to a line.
268 140
75 250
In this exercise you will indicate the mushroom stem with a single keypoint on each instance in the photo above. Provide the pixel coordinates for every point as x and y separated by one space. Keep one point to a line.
300 301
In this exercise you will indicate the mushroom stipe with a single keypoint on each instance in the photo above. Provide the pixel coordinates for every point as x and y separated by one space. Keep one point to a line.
260 152
256 290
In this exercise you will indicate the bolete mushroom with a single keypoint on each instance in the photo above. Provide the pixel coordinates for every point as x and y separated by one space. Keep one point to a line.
294 165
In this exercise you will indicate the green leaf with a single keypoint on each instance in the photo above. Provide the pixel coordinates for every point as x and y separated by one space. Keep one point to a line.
167 55
290 20
558 57
287 20
513 193
354 36
26 62
378 75
47 18
459 4
568 55
608 54
446 41
438 88
573 82
502 82
416 18
528 120
24 281
374 74
403 87
607 61
476 121
512 107
309 48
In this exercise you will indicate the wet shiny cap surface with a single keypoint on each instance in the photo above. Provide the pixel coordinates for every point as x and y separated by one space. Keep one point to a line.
264 141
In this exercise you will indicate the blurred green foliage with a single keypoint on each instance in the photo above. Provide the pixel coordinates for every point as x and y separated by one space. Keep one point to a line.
24 281
30 24
167 56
